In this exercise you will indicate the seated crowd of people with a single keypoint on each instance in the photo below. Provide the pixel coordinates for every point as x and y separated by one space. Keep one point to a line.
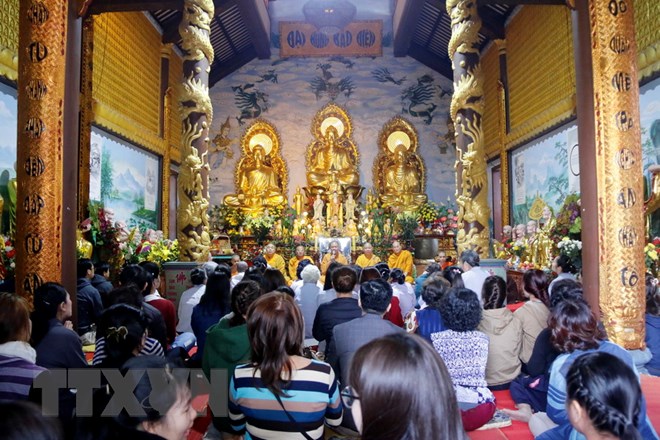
366 349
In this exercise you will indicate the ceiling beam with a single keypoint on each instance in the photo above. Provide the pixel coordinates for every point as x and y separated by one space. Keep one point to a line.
252 12
429 59
171 30
521 2
405 24
221 6
219 70
492 24
100 6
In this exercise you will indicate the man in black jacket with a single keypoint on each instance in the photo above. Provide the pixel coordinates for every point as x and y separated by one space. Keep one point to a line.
100 280
89 304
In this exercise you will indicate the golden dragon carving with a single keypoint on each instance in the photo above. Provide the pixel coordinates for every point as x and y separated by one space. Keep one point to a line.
195 29
465 27
195 99
193 209
467 106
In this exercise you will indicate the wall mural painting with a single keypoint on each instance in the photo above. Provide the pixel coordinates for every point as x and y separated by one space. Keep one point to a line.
371 89
649 112
546 168
326 85
8 143
126 179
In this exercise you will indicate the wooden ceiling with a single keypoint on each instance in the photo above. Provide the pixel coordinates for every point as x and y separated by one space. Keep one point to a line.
238 34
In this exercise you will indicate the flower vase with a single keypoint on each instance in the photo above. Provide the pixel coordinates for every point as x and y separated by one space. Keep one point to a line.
516 262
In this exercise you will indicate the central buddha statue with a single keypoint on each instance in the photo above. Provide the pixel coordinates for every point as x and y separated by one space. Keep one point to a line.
332 158
399 172
333 165
260 176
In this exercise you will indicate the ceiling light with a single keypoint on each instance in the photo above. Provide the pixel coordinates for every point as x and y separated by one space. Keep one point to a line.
329 16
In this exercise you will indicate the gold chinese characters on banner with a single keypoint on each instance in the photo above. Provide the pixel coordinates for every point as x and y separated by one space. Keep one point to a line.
359 38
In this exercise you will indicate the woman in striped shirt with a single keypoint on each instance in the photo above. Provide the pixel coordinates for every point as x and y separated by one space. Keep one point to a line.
280 394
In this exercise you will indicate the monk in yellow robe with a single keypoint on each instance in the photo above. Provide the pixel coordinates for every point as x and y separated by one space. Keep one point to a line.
333 255
401 259
295 260
367 258
275 260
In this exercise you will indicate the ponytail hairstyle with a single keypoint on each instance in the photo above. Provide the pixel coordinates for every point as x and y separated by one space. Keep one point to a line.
123 327
398 276
453 274
609 392
241 298
494 292
535 282
47 300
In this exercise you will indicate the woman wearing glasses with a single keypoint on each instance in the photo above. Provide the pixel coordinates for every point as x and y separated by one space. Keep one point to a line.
280 394
392 382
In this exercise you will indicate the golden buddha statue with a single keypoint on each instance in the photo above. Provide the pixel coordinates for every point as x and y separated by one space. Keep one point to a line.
261 175
332 158
333 165
298 202
335 210
399 172
545 245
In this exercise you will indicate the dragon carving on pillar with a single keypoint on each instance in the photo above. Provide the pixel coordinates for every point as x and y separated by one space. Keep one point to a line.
467 106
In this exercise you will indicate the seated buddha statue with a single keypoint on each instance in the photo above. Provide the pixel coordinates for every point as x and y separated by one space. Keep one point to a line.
332 164
402 183
258 185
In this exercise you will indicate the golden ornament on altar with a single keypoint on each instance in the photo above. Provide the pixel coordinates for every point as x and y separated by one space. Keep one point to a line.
399 172
536 211
332 158
84 247
261 176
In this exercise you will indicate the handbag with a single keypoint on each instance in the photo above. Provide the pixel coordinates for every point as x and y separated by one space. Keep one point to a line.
302 431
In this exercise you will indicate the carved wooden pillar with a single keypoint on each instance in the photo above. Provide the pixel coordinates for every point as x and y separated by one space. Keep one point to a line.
616 208
165 200
466 110
504 154
196 113
502 130
42 46
165 127
86 116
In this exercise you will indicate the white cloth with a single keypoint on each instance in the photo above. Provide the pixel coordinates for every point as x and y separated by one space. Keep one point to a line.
189 299
561 276
296 286
406 294
474 280
19 349
152 296
236 279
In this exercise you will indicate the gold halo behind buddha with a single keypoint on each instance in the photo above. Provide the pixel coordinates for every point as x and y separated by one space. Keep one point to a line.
261 177
399 172
332 159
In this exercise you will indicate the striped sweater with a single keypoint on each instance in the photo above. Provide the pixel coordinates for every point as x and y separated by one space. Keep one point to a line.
312 397
151 348
17 370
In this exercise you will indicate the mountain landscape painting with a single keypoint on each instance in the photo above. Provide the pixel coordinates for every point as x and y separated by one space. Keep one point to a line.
119 173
